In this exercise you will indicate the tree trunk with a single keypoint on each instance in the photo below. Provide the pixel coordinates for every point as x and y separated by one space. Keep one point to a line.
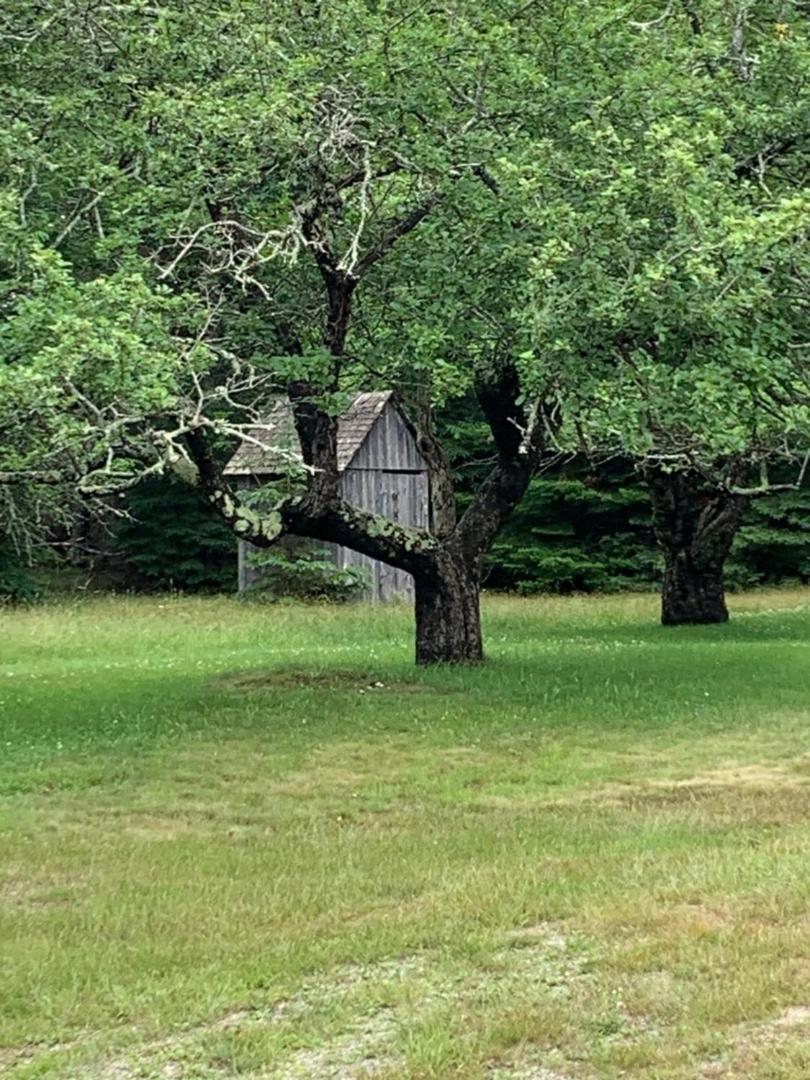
693 591
448 615
695 526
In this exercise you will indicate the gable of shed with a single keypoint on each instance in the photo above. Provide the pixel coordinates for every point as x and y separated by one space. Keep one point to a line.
358 422
389 444
269 447
372 434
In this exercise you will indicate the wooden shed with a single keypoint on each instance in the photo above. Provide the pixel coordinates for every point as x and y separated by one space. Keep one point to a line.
381 470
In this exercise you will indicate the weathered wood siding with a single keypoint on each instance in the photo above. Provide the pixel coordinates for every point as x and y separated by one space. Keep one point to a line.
247 575
387 476
389 445
400 496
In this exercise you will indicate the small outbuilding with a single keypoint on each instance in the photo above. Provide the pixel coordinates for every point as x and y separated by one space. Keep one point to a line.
381 470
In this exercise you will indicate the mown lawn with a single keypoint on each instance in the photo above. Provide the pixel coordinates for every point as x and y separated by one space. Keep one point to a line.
255 842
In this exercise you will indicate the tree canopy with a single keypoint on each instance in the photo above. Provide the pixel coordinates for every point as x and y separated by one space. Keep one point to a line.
594 215
675 210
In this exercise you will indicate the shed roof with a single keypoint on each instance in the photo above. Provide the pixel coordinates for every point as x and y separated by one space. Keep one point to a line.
280 439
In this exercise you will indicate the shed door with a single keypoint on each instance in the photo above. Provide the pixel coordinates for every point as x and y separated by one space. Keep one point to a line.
399 496
402 497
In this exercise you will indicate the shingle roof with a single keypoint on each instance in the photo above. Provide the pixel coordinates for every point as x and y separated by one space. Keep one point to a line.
279 439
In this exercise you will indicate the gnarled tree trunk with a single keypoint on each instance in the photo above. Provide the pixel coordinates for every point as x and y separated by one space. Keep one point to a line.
695 525
693 590
447 609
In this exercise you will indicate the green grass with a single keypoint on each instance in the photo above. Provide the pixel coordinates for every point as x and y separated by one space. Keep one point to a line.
241 841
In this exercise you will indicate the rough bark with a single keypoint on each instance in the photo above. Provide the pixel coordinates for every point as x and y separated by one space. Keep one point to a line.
692 592
695 525
447 610
448 620
443 518
519 441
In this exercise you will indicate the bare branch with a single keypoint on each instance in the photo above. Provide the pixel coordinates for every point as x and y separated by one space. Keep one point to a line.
653 22
744 61
400 228
765 487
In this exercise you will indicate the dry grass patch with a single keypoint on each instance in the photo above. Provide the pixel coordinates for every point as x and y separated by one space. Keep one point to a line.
758 795
29 891
403 1016
330 679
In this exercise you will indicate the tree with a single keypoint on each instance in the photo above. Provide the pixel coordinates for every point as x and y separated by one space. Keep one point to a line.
671 290
170 539
695 523
233 201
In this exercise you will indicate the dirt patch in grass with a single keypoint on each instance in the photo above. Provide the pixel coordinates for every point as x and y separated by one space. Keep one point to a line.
364 1048
543 932
13 1056
333 679
506 1071
751 1045
374 1005
362 1051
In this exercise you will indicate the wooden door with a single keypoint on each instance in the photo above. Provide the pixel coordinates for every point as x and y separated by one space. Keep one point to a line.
401 497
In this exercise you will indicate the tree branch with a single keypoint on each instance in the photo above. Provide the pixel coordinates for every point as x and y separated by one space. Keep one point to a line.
33 476
442 488
311 515
400 228
765 487
519 440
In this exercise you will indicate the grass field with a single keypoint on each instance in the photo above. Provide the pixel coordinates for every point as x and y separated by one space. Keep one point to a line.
255 842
